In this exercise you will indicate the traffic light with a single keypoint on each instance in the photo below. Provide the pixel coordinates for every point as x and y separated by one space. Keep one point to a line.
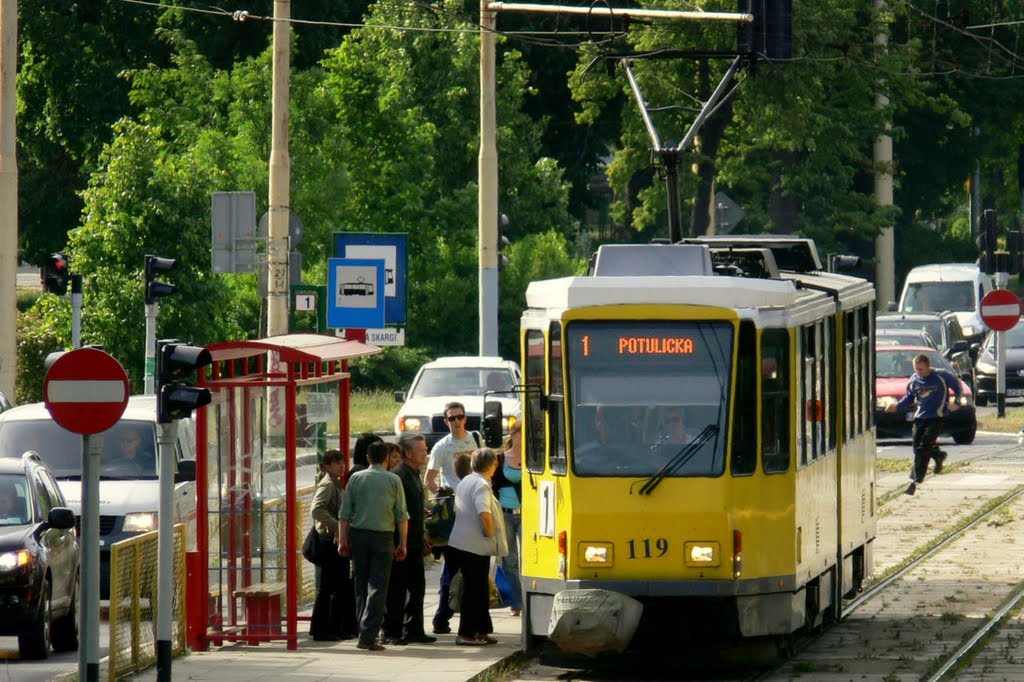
502 241
57 274
1015 244
155 289
987 242
176 398
771 34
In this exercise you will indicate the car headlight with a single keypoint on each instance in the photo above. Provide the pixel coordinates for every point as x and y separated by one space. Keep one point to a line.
418 424
140 522
883 402
12 560
969 331
508 422
985 367
964 400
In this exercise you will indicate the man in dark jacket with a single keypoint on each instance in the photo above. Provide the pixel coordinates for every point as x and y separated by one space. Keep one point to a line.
408 582
928 389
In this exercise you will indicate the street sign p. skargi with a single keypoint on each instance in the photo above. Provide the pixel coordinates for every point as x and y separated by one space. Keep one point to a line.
86 391
1000 310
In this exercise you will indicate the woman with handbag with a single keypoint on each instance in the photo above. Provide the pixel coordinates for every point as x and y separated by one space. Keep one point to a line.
334 611
478 535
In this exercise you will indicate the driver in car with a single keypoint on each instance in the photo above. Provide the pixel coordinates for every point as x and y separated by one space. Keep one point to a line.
130 453
9 514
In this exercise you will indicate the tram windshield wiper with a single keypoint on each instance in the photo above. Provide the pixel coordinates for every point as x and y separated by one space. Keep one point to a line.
680 458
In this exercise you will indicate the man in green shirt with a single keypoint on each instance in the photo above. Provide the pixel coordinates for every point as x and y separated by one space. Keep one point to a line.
372 509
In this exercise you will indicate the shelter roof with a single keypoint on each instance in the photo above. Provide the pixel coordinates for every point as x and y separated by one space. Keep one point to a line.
294 348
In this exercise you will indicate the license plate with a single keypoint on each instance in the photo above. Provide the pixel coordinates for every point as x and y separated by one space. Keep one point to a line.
1014 392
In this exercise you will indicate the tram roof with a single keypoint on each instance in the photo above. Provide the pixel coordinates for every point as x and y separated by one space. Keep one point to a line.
735 292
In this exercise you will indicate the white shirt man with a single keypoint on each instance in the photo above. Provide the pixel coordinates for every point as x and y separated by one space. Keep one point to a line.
441 465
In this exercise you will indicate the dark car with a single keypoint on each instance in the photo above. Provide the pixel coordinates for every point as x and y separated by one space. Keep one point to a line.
1014 370
946 333
39 559
904 337
893 368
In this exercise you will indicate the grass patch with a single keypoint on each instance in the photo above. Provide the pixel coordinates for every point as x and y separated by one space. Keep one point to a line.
891 465
1011 423
373 411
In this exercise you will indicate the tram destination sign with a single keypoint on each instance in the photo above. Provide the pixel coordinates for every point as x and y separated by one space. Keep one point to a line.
607 341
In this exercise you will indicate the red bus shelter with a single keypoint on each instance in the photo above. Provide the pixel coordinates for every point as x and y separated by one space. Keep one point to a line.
278 403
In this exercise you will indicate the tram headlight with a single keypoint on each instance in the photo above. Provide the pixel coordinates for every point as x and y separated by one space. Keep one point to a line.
702 554
595 555
883 402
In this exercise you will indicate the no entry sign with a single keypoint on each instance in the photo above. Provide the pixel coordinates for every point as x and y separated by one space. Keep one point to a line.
86 391
1000 309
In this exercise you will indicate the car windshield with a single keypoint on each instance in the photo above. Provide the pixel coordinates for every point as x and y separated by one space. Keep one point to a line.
891 363
127 452
934 297
1014 338
460 381
14 500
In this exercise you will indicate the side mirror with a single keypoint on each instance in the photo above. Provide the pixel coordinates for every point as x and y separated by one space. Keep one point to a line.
891 307
960 346
61 517
492 424
399 396
186 471
974 351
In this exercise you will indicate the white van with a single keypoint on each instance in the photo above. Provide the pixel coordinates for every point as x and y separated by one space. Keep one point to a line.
958 287
129 492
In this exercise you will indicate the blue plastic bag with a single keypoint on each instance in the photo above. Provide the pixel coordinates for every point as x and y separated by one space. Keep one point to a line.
504 586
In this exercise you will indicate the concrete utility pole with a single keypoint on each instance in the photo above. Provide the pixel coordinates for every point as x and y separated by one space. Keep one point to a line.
885 245
8 197
487 219
280 177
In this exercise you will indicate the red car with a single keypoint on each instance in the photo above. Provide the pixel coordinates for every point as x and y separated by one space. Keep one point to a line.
893 367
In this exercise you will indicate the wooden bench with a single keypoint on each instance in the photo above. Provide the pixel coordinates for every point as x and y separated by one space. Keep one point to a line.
262 609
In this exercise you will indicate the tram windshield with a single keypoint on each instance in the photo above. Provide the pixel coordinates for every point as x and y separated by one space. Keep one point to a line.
642 392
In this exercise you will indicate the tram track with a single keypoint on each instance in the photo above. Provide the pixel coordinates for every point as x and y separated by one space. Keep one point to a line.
898 635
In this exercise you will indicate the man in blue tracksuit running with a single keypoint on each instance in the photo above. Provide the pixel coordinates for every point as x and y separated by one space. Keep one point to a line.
929 389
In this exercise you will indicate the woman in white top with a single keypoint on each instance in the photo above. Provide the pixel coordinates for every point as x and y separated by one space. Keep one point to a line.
472 544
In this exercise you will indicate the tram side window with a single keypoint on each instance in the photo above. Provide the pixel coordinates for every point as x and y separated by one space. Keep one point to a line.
535 416
556 406
744 424
809 443
831 369
775 400
868 370
850 371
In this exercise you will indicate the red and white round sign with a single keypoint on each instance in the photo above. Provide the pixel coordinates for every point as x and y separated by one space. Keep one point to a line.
86 391
1000 309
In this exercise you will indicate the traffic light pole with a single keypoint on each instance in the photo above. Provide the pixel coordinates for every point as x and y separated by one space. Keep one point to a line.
150 371
165 545
89 587
76 311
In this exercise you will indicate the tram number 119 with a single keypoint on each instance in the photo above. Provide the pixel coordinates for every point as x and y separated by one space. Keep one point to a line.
648 548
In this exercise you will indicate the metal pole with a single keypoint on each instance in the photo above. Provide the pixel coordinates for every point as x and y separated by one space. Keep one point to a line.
76 311
152 310
8 194
165 545
487 220
670 157
280 177
885 243
1002 279
89 649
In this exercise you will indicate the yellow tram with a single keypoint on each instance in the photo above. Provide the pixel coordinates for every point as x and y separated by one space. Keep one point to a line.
756 514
